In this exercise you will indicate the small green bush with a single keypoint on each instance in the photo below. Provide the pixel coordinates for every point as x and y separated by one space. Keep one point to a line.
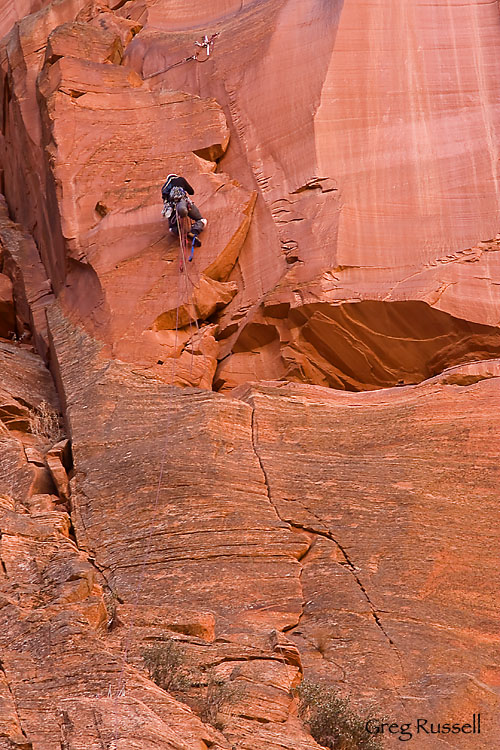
166 664
331 720
217 700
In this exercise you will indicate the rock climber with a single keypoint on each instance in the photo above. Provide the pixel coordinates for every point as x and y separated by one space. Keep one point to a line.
175 193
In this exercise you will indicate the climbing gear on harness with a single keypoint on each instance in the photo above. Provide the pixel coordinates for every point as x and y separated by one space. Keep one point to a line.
167 210
178 194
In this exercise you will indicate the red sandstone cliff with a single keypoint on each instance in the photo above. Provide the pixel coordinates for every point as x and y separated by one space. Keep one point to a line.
286 456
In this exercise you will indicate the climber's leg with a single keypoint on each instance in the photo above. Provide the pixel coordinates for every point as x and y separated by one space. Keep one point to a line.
199 224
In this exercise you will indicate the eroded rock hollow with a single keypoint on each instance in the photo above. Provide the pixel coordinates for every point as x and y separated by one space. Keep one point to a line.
281 456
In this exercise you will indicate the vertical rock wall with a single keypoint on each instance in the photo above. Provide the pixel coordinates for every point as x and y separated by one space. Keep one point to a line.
345 156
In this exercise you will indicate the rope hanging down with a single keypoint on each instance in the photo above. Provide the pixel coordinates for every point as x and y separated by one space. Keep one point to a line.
183 225
207 44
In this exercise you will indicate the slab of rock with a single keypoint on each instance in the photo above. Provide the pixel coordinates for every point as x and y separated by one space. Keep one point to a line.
85 42
137 445
367 198
398 491
59 680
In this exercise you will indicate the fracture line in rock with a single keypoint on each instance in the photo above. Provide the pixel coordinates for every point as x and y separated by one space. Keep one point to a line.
268 488
349 565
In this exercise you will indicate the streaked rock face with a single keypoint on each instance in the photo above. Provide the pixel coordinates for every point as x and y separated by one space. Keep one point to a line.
378 489
331 509
378 177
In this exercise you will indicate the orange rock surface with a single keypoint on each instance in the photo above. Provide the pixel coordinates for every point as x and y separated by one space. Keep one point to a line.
284 456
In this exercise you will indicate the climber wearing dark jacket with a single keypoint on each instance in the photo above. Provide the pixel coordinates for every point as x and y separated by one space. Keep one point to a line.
175 193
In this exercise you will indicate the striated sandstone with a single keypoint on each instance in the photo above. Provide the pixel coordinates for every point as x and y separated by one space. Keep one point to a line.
397 490
345 156
187 546
56 670
360 544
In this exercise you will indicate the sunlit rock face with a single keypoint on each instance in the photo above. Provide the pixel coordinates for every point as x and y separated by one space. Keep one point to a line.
330 510
373 158
376 159
415 149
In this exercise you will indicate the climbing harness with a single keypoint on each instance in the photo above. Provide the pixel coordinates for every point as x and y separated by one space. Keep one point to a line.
207 44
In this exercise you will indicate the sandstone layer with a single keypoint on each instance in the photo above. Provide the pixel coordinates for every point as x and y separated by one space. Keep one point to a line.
283 456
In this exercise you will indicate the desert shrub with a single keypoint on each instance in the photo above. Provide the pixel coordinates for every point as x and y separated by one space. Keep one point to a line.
166 664
44 423
216 703
332 721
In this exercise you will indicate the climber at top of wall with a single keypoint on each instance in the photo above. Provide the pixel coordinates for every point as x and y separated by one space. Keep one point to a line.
176 202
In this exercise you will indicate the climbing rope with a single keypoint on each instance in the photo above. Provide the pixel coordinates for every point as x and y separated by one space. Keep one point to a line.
120 689
183 225
207 44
